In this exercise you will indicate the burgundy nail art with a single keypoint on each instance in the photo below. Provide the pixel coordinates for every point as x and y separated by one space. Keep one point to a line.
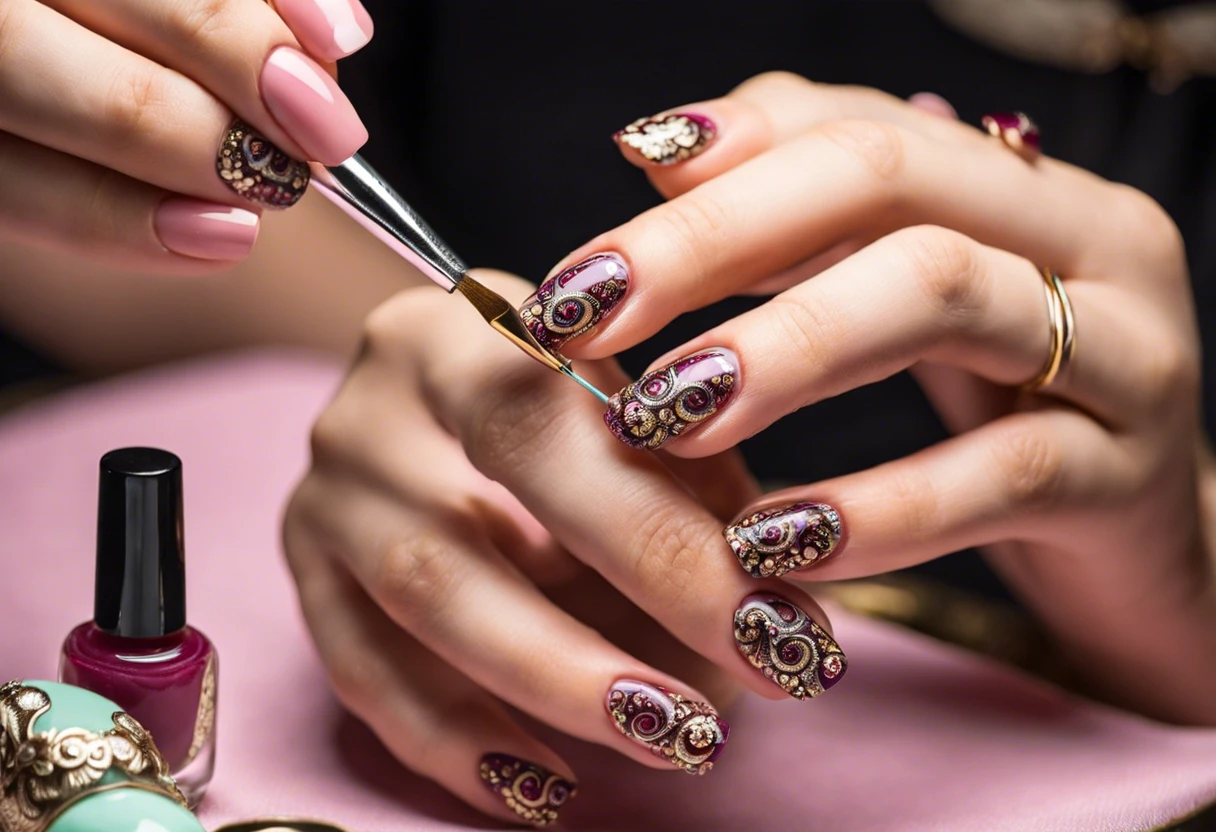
257 170
532 792
575 300
772 542
790 649
689 735
1017 130
665 140
674 399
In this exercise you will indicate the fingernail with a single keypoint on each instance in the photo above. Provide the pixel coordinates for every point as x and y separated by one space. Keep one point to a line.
674 399
531 791
787 646
933 103
206 230
329 29
689 735
665 140
772 542
570 303
257 170
308 104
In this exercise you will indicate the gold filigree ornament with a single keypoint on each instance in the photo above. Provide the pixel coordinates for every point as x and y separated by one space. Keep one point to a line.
43 773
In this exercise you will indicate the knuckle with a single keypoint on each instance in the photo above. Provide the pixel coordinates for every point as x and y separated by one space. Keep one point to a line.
12 22
1030 463
880 147
415 577
700 224
1142 219
135 101
1173 373
201 21
774 82
510 422
670 547
805 325
949 271
329 436
355 677
916 502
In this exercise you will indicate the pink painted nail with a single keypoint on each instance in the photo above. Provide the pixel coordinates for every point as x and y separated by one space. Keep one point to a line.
206 230
329 29
310 107
671 400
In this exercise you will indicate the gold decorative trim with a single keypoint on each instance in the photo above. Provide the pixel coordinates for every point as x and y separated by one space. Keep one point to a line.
43 773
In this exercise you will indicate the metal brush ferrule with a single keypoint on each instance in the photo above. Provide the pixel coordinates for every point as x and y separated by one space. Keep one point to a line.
356 188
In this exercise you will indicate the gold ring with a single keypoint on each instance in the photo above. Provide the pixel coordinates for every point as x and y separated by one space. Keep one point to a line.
1017 131
1063 333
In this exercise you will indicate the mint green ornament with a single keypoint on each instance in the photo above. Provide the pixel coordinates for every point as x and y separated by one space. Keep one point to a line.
103 750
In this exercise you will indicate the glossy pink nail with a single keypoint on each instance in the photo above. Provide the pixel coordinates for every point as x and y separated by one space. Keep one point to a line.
671 400
206 230
329 29
308 104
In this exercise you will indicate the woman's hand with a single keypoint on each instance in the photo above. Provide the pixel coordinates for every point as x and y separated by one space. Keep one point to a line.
446 541
150 134
904 240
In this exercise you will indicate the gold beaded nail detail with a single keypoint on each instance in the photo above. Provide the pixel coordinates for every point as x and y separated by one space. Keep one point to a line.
257 170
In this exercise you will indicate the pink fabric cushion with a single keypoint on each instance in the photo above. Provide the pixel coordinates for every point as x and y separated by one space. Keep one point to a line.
919 736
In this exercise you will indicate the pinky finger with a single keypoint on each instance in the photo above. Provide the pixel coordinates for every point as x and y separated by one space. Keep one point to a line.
431 717
56 201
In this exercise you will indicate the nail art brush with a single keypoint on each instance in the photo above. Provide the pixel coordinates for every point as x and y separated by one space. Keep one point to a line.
356 188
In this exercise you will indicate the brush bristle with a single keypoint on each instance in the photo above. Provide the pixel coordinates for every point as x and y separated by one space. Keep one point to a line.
488 303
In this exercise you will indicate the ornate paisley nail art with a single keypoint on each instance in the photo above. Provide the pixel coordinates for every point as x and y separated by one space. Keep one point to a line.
778 540
665 140
257 170
534 793
791 650
575 300
689 735
674 399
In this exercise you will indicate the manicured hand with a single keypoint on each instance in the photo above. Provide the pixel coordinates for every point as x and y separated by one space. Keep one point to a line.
151 134
896 239
446 544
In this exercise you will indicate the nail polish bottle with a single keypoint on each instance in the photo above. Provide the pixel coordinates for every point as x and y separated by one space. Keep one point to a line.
138 650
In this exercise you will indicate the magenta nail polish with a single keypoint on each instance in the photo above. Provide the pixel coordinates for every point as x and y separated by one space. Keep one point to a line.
787 646
686 733
777 540
572 302
672 400
138 650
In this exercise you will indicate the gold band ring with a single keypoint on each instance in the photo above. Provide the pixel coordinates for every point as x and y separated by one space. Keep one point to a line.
1063 333
1017 131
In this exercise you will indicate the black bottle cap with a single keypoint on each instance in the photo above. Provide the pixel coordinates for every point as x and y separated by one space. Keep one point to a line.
141 556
